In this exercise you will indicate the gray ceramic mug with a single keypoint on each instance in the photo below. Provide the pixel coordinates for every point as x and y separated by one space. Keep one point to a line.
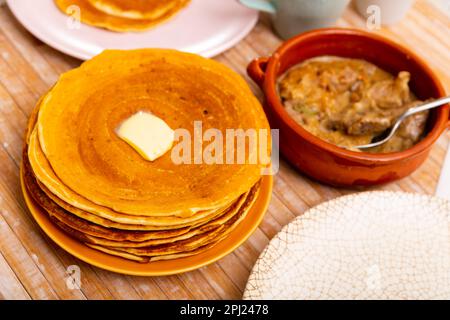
291 17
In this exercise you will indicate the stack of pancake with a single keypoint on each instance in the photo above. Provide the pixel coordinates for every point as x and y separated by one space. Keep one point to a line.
122 15
98 189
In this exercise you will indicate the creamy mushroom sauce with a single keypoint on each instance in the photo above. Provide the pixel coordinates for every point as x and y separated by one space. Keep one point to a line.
348 102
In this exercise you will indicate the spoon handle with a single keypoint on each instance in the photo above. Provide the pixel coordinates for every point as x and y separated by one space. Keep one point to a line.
427 106
410 112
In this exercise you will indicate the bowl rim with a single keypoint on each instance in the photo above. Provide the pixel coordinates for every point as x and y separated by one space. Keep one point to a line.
275 104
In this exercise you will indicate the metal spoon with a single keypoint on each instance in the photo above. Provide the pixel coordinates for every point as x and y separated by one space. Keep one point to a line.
389 134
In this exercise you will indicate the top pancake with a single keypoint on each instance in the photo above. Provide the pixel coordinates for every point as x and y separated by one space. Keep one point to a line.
136 9
59 195
95 13
78 118
80 206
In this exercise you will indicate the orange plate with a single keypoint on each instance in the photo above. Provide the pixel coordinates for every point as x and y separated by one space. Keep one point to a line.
158 268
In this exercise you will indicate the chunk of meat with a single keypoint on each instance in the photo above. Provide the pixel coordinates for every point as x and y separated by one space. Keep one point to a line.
389 94
384 102
369 123
409 133
338 80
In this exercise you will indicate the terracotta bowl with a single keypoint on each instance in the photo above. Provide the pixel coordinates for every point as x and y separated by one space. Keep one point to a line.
324 161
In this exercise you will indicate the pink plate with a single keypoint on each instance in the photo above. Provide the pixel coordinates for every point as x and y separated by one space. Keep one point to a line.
205 27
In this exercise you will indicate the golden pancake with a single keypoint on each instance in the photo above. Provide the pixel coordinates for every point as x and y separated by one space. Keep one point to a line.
86 226
137 9
143 259
119 254
32 123
192 241
98 234
209 237
150 223
133 257
107 217
179 255
78 118
212 225
195 242
89 14
81 207
101 215
173 250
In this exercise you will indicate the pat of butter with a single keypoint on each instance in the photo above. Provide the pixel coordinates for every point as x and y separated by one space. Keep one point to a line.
149 135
